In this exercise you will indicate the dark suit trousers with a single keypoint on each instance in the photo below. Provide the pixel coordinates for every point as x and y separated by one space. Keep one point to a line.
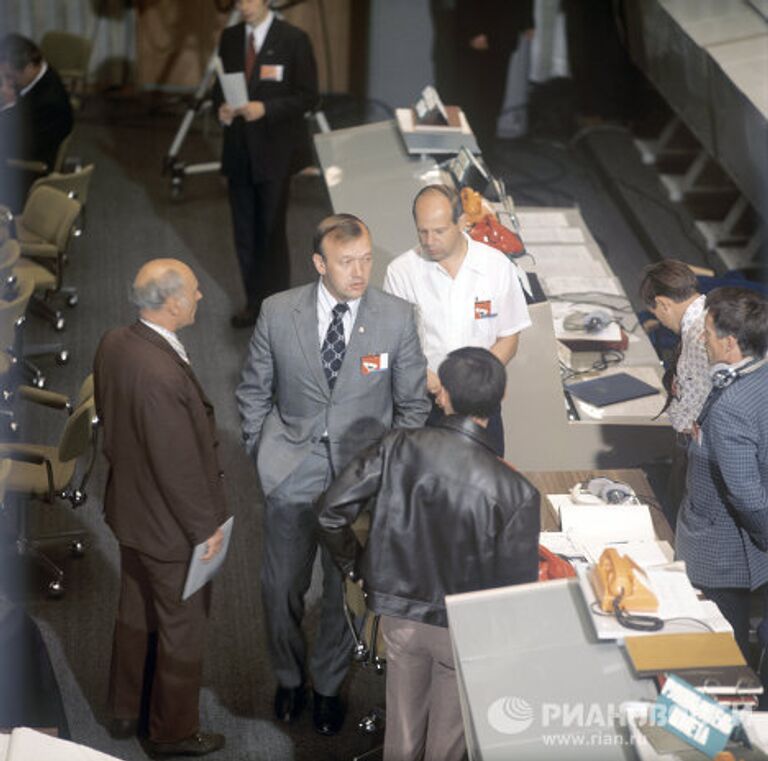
482 83
258 220
150 601
290 547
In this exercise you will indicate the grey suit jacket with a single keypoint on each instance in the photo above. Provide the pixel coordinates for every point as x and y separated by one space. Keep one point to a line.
284 400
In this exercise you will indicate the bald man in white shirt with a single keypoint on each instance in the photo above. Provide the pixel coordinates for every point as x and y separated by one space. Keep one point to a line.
465 292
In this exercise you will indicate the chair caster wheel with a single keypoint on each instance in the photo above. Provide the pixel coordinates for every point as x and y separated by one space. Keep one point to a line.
77 548
59 324
38 381
73 300
62 357
56 589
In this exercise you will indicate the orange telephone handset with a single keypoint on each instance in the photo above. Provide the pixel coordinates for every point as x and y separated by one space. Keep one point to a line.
615 576
491 232
472 205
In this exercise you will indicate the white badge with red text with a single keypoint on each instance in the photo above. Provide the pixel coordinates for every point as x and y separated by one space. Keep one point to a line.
374 363
484 309
271 72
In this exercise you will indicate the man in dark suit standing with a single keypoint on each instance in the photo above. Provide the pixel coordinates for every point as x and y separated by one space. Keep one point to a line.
260 143
332 366
164 496
41 116
487 36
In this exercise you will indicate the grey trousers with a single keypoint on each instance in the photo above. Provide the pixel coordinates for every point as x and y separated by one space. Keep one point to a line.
290 547
423 709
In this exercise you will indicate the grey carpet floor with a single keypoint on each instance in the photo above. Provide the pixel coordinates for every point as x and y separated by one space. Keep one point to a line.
132 218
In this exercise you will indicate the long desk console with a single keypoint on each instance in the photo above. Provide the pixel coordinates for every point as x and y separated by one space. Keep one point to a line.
368 172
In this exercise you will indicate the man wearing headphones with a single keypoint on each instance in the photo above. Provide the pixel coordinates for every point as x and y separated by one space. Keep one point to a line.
722 527
465 292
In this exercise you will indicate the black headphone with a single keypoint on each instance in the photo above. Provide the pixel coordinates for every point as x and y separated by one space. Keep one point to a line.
723 377
589 322
603 490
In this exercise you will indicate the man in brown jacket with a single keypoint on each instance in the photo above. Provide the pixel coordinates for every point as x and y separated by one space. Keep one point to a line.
164 495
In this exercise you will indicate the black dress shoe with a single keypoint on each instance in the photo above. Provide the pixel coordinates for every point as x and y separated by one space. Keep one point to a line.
245 318
199 744
289 703
327 714
121 729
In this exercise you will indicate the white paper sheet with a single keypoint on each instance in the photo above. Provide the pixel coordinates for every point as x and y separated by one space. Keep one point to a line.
560 544
610 522
555 285
677 598
26 744
559 260
201 572
542 219
553 235
646 553
233 86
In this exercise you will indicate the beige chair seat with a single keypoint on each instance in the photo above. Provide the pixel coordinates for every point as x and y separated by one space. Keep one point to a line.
32 478
41 276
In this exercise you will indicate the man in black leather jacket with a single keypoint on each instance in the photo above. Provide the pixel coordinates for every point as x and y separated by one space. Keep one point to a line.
447 516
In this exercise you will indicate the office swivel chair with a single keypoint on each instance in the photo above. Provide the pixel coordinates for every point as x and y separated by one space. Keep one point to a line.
32 167
14 299
47 473
75 184
44 231
369 649
70 55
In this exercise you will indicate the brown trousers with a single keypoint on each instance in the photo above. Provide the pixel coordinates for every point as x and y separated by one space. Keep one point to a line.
150 601
423 710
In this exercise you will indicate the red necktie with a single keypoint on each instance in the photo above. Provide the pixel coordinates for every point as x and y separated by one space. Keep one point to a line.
250 57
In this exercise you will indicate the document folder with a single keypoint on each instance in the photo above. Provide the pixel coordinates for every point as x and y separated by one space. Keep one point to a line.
611 389
200 571
674 652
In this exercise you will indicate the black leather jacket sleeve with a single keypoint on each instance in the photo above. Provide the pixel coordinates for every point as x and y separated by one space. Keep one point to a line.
342 503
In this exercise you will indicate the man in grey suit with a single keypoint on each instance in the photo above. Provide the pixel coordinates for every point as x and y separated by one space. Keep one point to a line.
722 527
332 366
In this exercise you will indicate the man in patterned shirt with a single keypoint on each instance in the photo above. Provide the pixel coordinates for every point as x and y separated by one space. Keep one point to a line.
722 529
670 291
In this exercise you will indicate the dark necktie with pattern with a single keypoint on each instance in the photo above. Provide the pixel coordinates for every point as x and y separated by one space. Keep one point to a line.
332 351
250 57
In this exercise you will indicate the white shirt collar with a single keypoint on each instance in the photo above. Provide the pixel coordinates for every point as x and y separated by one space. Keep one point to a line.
472 259
169 336
260 31
325 304
39 76
328 302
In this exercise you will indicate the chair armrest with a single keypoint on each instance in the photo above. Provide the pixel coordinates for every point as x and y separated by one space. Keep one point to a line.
37 167
33 250
51 399
20 456
11 453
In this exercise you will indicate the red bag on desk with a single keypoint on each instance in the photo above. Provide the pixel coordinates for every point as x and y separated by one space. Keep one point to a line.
552 566
490 231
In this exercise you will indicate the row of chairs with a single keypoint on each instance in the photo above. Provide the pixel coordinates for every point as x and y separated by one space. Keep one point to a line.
41 472
34 252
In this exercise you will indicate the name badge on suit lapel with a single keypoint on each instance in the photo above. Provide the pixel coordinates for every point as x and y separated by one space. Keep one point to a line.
374 363
271 72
